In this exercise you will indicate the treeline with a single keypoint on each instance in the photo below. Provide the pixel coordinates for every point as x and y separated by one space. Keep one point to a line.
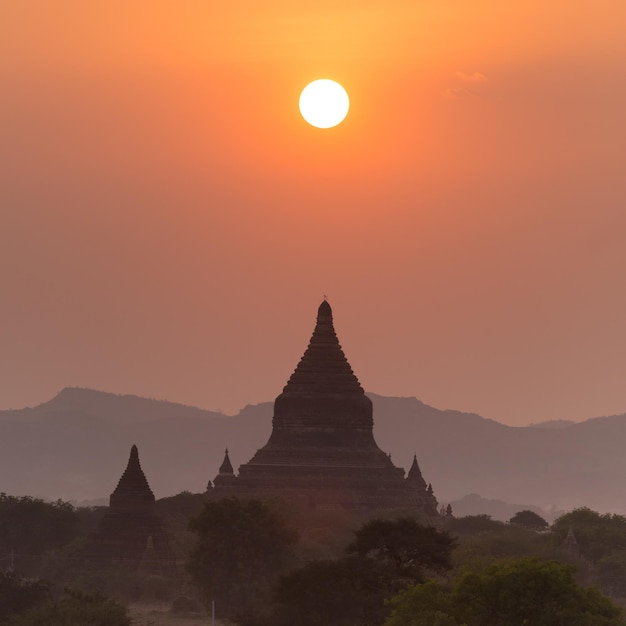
244 559
471 571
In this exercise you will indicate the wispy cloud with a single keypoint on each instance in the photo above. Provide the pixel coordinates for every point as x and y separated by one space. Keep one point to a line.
476 77
467 84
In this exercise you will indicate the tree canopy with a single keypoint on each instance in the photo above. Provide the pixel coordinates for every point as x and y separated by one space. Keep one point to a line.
341 592
597 535
18 594
74 609
529 519
409 548
513 593
242 547
384 557
31 526
475 524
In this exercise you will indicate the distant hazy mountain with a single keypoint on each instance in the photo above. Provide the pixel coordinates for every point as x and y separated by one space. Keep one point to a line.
496 509
552 424
76 402
76 446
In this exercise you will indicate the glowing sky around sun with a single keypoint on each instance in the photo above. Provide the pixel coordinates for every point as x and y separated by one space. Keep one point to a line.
169 223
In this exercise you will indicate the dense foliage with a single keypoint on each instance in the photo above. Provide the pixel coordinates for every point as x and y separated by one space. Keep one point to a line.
597 535
515 593
530 520
242 547
476 572
405 546
18 594
74 609
341 592
30 526
28 602
384 557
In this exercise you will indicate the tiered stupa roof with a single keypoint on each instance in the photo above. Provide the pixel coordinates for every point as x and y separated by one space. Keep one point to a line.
323 415
132 490
323 368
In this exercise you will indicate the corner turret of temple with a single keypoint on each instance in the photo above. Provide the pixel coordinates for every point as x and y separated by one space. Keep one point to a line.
226 466
415 475
226 474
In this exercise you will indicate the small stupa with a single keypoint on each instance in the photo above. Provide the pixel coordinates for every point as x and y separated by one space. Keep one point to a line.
131 522
321 453
570 543
226 474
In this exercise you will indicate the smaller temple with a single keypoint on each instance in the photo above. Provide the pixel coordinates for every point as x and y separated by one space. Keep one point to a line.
131 523
570 543
226 475
426 500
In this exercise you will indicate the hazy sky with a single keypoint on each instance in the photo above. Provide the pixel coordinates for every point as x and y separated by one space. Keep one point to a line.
169 224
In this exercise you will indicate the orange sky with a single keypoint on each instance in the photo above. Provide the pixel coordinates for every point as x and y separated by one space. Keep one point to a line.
169 224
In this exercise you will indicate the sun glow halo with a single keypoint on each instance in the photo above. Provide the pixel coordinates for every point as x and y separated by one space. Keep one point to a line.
324 103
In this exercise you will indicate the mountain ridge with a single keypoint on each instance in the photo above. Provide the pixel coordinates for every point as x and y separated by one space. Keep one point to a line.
75 447
125 407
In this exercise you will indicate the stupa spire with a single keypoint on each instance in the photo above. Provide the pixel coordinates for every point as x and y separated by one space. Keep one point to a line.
324 366
132 490
226 475
415 475
226 467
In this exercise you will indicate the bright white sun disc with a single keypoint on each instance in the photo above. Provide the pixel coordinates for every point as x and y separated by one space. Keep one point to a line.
324 103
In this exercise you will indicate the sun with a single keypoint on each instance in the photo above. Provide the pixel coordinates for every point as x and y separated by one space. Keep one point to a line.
324 103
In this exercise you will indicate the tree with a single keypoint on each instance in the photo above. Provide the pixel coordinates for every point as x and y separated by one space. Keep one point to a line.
474 524
18 594
482 541
343 592
597 535
404 545
531 591
179 509
75 609
384 557
610 573
426 604
241 549
514 593
31 526
530 520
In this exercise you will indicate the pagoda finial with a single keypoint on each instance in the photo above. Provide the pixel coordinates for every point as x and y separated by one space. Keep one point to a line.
226 466
324 312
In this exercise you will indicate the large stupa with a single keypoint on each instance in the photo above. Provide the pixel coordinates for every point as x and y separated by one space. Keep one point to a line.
321 454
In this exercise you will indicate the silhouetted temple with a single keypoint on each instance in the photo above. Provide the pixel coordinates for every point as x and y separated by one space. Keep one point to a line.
322 454
131 522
